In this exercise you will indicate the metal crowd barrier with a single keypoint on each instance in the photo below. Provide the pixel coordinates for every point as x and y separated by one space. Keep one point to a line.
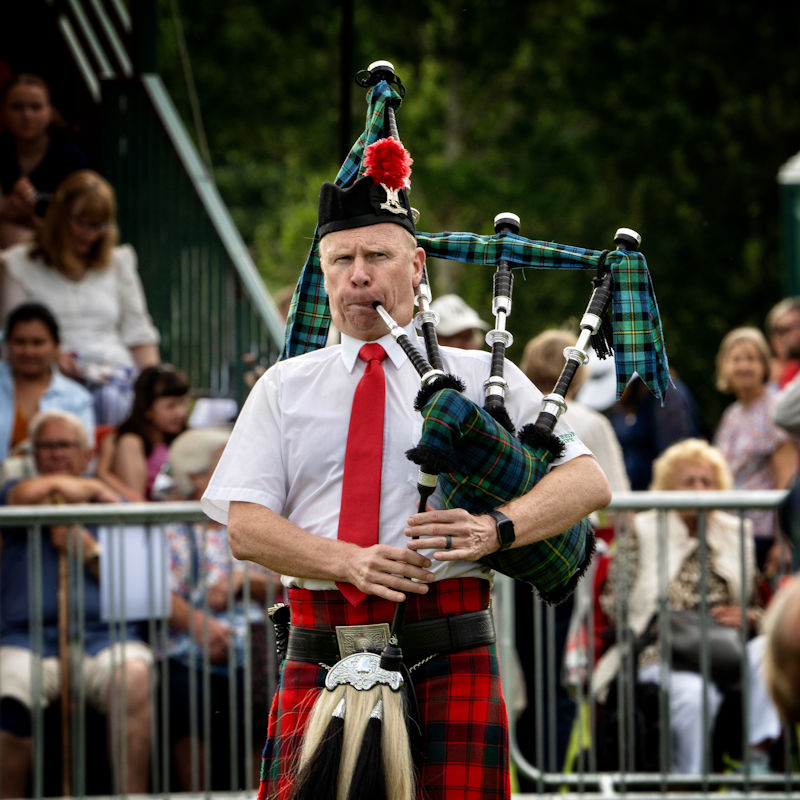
596 760
539 766
133 567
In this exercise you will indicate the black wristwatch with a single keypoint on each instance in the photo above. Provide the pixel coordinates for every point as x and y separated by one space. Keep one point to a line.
505 529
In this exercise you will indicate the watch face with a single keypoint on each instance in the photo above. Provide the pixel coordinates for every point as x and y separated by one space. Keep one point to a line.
505 529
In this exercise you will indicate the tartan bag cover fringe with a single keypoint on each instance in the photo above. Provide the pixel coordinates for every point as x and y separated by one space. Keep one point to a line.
466 733
492 467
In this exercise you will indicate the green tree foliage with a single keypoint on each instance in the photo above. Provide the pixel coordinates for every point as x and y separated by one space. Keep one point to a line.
581 116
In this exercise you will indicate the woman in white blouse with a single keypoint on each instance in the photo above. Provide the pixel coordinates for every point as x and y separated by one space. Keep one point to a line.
93 288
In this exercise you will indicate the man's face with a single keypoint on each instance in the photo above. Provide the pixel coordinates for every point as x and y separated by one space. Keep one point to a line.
32 351
58 450
364 265
786 333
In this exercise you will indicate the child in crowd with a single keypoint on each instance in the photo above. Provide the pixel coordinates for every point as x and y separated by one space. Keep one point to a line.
131 457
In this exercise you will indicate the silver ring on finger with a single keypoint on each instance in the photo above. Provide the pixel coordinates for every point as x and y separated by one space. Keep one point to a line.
448 541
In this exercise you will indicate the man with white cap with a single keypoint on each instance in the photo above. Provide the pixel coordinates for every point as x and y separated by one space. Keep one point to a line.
458 323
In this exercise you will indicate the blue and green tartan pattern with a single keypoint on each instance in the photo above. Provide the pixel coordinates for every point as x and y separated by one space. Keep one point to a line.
491 467
638 338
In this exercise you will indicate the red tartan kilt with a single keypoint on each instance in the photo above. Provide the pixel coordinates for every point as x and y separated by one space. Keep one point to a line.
465 729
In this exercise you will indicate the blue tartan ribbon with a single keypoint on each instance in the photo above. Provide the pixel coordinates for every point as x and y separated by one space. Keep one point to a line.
638 340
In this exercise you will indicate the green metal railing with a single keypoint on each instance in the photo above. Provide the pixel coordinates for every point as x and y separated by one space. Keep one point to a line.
203 290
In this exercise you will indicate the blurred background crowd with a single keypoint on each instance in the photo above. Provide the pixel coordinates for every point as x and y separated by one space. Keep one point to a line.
105 395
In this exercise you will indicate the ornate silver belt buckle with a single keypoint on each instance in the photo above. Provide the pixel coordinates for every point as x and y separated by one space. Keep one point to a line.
360 638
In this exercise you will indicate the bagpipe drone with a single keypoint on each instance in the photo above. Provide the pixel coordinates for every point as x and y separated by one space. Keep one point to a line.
474 454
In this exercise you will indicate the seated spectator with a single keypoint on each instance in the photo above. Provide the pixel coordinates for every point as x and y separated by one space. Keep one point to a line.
131 457
30 380
690 465
542 361
110 671
459 325
782 651
93 287
760 454
34 157
202 570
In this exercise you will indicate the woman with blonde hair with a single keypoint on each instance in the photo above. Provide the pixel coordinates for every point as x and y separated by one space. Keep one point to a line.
760 454
661 557
75 267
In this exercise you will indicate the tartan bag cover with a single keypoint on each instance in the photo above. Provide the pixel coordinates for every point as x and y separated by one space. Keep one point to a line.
487 467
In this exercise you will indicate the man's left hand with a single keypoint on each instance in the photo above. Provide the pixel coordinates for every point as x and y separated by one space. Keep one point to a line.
453 534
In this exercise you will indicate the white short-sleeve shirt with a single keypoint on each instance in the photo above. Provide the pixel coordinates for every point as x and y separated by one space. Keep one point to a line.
286 451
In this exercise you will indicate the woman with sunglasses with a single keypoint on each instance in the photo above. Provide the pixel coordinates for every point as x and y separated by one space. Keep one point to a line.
75 267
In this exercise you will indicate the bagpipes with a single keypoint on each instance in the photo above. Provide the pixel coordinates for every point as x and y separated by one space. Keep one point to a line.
474 454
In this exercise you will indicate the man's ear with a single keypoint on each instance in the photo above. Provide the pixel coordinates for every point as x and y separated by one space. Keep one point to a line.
419 266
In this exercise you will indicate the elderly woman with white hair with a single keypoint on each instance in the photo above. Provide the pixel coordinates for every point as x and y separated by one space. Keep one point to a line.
208 600
660 557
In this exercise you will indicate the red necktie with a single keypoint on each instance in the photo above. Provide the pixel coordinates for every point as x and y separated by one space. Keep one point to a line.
361 486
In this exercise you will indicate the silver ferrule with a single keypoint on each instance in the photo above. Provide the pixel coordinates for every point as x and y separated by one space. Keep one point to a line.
591 322
576 353
495 385
554 404
499 335
430 375
501 304
426 315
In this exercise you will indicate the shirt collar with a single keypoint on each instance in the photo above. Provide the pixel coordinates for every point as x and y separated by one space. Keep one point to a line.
351 346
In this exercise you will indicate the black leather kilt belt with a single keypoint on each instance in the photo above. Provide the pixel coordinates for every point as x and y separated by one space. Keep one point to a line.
418 640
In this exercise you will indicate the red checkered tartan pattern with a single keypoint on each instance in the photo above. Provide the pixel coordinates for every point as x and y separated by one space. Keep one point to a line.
464 723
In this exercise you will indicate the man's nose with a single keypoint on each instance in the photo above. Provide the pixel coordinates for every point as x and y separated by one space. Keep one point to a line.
361 275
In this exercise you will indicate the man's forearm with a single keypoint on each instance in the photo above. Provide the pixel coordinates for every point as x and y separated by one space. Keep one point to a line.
264 537
564 496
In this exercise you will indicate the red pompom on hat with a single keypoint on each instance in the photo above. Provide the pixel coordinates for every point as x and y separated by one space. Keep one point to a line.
389 163
380 195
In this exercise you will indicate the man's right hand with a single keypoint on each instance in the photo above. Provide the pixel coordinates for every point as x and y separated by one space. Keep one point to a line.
389 572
